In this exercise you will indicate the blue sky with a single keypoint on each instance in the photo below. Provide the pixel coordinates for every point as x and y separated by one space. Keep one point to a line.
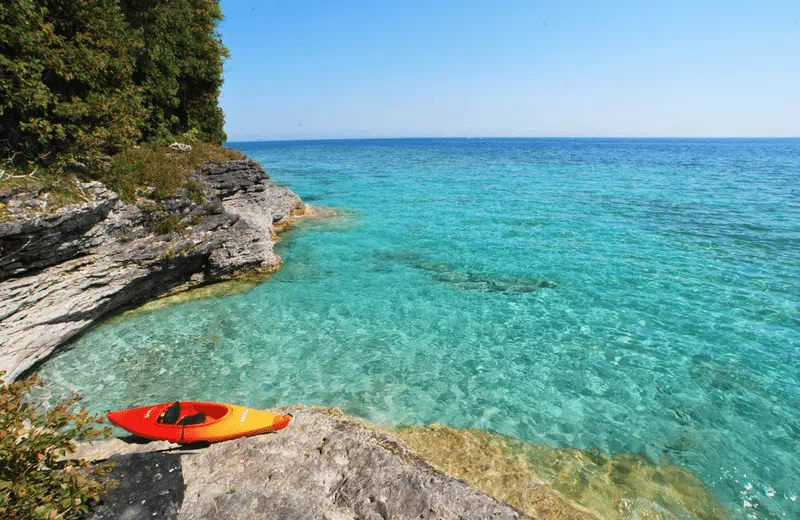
345 69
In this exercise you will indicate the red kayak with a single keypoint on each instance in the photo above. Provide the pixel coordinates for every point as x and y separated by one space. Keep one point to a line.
186 421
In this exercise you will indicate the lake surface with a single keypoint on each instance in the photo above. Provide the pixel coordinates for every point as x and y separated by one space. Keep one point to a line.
621 295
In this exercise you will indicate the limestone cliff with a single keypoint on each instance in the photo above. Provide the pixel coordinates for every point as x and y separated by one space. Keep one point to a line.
61 270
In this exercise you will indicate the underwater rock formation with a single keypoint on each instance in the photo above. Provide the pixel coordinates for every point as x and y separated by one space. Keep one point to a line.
475 281
543 481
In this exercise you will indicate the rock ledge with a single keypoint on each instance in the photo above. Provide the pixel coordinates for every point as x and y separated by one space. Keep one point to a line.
63 269
319 467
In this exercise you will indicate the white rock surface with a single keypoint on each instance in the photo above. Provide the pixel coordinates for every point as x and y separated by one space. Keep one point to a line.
180 147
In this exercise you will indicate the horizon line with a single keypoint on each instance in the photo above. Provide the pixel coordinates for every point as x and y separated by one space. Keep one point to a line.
299 139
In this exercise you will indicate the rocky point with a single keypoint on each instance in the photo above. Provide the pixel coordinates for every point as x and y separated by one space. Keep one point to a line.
63 269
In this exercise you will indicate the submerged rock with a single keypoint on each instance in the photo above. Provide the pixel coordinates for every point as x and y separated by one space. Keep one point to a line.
62 270
550 482
474 281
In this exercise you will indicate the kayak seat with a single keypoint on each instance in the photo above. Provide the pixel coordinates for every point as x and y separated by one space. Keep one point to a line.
171 414
198 418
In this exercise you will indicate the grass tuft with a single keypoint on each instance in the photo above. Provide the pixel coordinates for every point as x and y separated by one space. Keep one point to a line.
172 223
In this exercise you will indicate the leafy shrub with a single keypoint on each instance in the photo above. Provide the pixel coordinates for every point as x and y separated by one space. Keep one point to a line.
34 484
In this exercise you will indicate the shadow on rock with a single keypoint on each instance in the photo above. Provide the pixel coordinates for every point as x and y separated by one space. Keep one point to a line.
150 486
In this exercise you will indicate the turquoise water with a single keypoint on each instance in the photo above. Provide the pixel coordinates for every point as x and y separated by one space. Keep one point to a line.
625 295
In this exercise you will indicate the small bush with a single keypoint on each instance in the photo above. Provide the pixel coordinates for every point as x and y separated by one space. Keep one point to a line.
156 166
61 190
207 152
172 223
195 192
34 484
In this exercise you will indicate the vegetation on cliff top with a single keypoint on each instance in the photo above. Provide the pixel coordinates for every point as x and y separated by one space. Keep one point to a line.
96 89
85 78
161 171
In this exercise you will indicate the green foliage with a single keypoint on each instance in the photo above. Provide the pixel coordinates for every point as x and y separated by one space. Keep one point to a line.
34 484
180 65
171 223
162 172
90 77
66 72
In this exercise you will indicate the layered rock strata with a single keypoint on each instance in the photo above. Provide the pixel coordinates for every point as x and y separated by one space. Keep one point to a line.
61 270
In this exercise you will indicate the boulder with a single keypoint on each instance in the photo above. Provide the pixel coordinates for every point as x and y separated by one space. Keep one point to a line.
180 147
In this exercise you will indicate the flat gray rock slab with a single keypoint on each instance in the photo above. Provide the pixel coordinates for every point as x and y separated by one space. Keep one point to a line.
103 450
324 468
319 467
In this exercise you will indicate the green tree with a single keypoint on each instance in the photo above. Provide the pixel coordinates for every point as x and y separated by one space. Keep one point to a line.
84 77
66 69
179 66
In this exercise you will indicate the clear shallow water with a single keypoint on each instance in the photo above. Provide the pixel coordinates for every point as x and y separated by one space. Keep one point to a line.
668 323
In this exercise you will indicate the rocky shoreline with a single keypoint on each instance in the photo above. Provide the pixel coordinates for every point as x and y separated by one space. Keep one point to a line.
327 465
322 466
61 270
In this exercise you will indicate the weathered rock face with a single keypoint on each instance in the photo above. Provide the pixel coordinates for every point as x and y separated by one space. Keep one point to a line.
319 467
35 240
60 271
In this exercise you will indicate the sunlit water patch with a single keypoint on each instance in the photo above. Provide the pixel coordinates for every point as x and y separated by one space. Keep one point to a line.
623 296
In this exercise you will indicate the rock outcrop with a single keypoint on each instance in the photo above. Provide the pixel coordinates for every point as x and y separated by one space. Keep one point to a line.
328 465
319 467
61 270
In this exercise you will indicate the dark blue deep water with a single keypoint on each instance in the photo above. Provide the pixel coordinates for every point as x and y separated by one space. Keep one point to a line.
624 295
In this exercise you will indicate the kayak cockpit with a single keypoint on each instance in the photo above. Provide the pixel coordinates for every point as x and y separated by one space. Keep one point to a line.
192 414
